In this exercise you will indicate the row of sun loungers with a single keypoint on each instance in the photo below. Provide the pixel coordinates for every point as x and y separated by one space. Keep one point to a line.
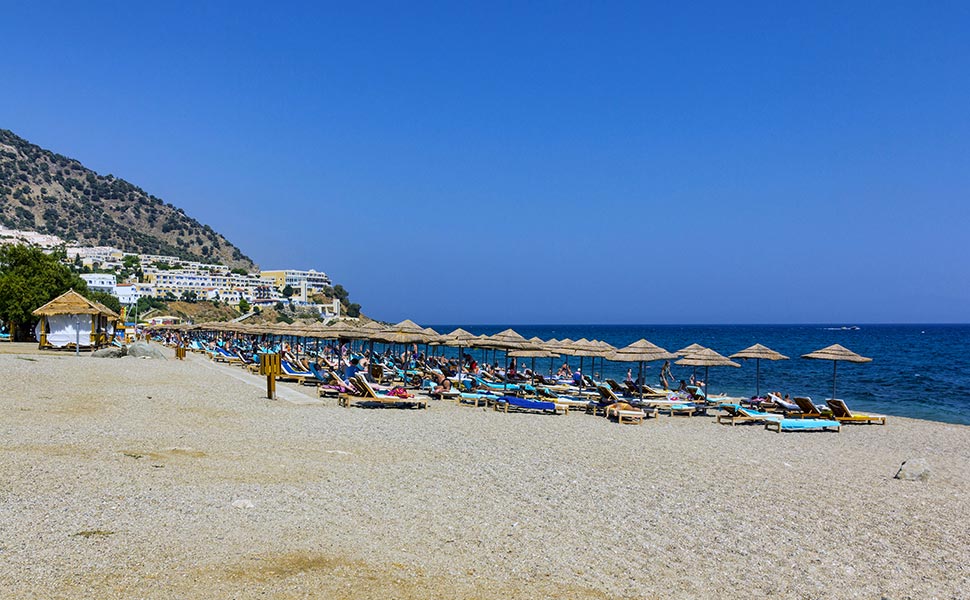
615 401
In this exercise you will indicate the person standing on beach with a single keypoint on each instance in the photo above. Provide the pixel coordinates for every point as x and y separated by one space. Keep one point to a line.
665 375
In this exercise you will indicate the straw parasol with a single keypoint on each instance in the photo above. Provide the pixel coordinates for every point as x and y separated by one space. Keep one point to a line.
405 332
689 349
707 358
582 348
536 351
459 338
759 352
641 351
835 353
506 340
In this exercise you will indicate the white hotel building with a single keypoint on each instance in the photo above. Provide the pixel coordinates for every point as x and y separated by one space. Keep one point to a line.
202 282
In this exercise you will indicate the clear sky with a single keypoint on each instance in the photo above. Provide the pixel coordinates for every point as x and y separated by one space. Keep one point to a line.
544 162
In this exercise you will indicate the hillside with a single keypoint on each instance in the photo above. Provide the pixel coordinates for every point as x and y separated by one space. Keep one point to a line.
46 192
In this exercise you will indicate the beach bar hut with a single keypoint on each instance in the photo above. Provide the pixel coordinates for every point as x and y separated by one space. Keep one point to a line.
72 320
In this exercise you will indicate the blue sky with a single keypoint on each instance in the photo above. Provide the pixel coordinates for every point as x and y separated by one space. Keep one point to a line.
544 163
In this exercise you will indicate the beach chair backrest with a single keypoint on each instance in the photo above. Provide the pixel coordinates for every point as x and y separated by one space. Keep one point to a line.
607 393
365 387
805 404
839 408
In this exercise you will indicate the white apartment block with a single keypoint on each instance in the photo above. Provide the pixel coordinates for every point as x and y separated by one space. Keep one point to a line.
30 238
102 282
129 293
315 281
184 280
148 260
95 254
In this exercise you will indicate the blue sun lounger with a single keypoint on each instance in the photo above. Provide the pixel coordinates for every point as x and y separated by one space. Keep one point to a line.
505 402
780 425
736 413
291 373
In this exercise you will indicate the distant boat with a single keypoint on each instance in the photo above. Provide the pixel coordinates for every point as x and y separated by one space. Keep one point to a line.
844 328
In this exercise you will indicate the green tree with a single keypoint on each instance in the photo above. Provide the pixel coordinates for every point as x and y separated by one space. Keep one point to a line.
353 310
28 280
288 291
340 293
109 300
190 296
244 305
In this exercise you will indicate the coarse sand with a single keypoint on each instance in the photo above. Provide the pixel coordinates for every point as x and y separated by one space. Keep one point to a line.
129 477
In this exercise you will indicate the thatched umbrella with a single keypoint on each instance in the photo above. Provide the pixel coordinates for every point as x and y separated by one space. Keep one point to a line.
641 351
582 348
506 340
686 350
707 358
606 349
835 353
759 352
461 339
537 351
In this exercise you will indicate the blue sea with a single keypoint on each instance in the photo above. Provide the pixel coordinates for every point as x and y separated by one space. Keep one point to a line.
920 371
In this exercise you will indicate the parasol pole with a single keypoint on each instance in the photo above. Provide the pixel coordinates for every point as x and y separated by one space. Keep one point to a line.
639 379
757 385
834 365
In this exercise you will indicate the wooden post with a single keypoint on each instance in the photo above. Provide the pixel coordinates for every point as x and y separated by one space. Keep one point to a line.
270 365
43 332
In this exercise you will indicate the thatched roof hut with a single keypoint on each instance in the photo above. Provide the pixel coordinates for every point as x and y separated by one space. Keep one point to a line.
72 320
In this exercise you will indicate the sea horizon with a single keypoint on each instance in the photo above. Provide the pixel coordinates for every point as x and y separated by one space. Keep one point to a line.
917 370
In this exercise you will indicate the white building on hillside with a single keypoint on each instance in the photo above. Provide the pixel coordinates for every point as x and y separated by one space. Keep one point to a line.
130 293
101 282
89 255
315 281
29 238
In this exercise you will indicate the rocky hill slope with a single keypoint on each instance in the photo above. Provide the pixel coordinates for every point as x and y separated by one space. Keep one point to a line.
46 192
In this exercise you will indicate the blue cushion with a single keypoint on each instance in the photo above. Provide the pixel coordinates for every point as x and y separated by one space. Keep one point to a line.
804 424
523 403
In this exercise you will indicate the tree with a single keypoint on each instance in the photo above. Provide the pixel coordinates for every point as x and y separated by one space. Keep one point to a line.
109 300
240 271
244 305
279 307
288 291
353 310
28 280
190 296
340 293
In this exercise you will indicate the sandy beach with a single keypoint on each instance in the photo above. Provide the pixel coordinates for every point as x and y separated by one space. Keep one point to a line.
144 478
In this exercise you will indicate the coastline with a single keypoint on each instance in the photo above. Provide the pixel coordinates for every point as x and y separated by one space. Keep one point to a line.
185 482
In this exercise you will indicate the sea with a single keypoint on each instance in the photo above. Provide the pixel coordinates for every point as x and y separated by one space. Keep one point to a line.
919 371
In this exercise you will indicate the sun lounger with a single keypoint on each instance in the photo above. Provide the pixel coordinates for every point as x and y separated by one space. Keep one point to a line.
627 413
367 394
842 414
291 373
505 402
809 410
680 410
735 413
789 409
780 425
223 355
